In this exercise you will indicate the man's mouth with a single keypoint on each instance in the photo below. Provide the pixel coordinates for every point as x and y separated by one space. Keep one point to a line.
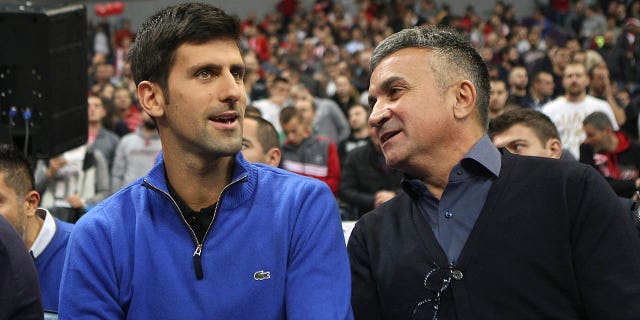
225 119
388 135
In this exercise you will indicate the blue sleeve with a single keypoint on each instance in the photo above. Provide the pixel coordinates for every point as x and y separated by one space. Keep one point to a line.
89 285
318 276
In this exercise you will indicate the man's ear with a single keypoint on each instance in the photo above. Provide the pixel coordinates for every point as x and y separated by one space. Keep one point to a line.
273 157
555 148
466 97
31 202
151 98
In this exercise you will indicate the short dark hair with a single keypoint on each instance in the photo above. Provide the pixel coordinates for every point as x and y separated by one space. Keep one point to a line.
518 66
288 113
252 110
152 53
365 107
598 120
278 79
538 74
454 56
540 123
592 70
17 169
110 111
496 79
267 134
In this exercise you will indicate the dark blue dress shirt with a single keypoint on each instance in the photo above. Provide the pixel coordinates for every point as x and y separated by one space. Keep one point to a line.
453 216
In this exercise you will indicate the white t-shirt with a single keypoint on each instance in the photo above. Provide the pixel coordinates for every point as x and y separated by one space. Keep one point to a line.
67 179
270 112
568 117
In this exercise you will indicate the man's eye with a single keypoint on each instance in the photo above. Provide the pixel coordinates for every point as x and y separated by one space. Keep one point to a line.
204 74
238 75
372 102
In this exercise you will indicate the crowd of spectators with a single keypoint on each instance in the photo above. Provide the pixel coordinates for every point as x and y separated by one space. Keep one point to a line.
564 84
323 50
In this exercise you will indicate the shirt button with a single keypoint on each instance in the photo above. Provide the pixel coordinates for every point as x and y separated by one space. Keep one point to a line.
457 274
448 214
459 172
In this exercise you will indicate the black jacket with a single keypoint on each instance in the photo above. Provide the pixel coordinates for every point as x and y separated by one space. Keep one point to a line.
364 173
19 288
552 242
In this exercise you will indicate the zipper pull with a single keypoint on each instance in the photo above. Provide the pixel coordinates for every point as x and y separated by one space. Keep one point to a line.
197 262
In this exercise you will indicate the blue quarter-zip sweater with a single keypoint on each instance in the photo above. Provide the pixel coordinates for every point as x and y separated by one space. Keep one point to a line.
275 251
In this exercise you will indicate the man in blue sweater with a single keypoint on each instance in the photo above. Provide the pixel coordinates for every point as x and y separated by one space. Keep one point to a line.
44 235
205 234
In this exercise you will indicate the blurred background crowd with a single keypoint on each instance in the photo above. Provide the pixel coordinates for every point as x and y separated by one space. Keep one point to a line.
312 60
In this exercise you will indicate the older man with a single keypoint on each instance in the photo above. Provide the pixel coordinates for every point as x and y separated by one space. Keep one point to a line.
479 234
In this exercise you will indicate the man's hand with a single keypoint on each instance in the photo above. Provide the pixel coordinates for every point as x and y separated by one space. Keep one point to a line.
75 201
55 164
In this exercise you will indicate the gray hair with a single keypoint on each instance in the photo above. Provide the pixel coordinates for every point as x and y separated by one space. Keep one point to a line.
454 58
598 120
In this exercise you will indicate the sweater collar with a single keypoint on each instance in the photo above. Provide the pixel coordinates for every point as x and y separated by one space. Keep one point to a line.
241 187
483 155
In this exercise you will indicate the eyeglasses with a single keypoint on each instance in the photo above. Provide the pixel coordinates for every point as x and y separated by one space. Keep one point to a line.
436 280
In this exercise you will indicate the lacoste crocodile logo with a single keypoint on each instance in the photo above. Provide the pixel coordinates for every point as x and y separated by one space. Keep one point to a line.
262 275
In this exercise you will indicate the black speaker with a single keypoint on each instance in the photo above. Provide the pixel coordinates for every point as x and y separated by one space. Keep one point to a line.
43 77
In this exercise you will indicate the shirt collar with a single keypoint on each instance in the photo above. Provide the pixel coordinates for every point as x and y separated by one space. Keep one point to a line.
46 233
483 152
